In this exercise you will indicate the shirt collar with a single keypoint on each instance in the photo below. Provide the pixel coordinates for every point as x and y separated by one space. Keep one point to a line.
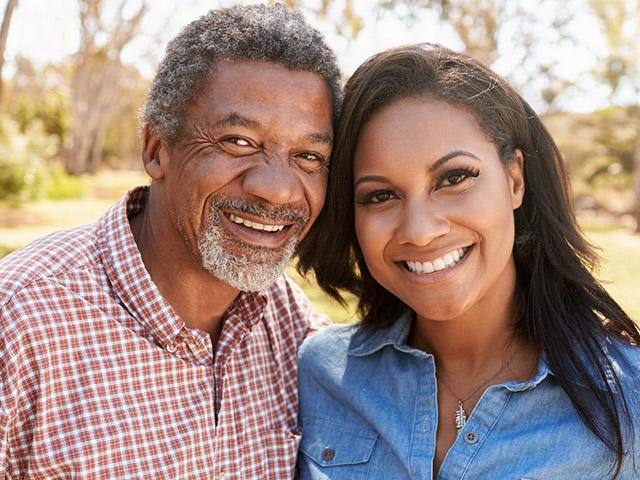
133 285
367 341
126 271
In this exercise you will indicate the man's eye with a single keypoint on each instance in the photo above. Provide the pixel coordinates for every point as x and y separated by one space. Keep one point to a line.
240 142
310 157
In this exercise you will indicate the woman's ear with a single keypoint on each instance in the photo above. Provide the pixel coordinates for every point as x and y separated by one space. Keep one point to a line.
515 170
151 153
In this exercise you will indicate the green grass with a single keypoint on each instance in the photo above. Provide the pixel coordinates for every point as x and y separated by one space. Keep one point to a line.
620 262
19 225
23 223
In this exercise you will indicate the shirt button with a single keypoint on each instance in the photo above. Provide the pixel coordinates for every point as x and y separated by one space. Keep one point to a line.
328 454
171 348
471 437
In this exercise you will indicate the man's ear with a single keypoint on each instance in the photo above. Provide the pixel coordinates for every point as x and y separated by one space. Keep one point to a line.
515 169
151 153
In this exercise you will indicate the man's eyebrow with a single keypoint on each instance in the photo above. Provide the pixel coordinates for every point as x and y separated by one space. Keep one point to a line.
456 153
235 119
370 178
323 138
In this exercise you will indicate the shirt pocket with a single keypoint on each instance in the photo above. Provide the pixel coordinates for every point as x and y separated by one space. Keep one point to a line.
336 451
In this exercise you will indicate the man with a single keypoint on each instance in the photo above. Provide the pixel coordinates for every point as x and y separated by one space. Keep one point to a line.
161 342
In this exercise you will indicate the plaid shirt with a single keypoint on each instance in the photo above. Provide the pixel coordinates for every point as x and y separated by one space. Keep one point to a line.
100 378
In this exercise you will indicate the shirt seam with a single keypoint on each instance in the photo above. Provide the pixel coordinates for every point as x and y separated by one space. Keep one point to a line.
52 277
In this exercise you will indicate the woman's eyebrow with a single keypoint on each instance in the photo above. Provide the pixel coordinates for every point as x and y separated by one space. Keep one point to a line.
442 160
370 178
456 153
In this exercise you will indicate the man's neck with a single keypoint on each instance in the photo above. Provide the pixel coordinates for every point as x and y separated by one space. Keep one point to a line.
200 299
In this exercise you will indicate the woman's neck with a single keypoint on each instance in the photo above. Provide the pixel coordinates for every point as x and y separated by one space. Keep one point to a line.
480 340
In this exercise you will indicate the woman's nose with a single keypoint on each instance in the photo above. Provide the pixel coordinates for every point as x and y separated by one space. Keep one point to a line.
421 222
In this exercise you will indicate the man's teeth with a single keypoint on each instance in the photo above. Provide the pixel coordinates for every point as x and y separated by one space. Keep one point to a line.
446 261
255 225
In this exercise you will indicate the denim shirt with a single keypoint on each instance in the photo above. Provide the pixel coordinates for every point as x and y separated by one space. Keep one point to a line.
368 410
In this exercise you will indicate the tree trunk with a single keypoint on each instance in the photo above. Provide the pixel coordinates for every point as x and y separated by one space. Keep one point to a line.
4 32
95 81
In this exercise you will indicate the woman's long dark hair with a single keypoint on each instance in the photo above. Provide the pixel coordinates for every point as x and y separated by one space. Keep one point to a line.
561 305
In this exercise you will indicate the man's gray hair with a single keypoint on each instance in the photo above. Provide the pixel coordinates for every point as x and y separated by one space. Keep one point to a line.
242 33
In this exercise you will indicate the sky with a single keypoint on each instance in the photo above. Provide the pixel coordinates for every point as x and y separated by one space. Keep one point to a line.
46 31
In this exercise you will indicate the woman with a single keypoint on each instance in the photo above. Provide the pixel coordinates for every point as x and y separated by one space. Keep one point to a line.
486 350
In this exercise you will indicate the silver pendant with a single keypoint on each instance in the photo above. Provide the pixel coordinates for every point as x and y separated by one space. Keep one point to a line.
461 416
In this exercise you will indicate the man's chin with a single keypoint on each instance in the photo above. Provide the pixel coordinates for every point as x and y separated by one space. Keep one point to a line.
250 273
256 279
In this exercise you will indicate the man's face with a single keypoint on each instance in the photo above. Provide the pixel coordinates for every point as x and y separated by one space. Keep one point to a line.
248 177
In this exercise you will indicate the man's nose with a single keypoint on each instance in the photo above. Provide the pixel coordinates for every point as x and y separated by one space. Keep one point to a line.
274 182
421 222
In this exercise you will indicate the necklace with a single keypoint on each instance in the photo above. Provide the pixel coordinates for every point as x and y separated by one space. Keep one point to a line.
461 414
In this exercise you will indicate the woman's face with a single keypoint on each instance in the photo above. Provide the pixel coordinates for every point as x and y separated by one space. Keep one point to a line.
434 209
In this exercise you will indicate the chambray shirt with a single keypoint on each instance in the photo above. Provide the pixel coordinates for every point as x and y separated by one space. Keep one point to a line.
368 410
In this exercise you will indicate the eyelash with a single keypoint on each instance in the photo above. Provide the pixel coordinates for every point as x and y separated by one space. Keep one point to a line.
464 172
373 197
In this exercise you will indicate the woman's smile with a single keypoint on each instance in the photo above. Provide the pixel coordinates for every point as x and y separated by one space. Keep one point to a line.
448 260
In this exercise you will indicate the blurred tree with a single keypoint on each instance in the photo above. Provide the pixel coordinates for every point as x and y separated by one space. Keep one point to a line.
97 74
485 28
620 70
476 23
121 146
350 23
40 94
4 32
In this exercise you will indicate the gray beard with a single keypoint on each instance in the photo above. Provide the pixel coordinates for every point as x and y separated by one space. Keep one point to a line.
250 268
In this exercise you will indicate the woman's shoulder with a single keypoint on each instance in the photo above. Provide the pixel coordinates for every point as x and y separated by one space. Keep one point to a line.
625 359
329 343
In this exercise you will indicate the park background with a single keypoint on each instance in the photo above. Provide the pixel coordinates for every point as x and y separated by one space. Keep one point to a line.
75 72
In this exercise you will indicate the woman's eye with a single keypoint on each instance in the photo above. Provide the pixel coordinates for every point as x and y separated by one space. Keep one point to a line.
455 177
376 197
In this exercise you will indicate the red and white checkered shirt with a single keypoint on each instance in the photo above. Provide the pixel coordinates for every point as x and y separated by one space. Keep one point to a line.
100 378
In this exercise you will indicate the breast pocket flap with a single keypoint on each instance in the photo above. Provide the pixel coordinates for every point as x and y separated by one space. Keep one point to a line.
329 444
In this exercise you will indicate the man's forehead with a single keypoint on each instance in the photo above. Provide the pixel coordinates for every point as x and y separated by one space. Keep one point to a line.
259 76
254 94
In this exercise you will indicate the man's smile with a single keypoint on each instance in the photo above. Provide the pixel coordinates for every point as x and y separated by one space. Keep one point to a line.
255 225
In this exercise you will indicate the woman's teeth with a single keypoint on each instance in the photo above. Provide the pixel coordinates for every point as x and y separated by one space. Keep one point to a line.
446 261
255 225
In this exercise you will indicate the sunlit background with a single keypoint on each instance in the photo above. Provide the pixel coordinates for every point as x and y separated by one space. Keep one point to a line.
74 74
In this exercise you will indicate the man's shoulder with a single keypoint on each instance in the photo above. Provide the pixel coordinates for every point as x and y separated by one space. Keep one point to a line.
292 310
288 298
47 258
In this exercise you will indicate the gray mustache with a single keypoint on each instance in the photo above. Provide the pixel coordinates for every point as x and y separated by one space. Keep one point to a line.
275 213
